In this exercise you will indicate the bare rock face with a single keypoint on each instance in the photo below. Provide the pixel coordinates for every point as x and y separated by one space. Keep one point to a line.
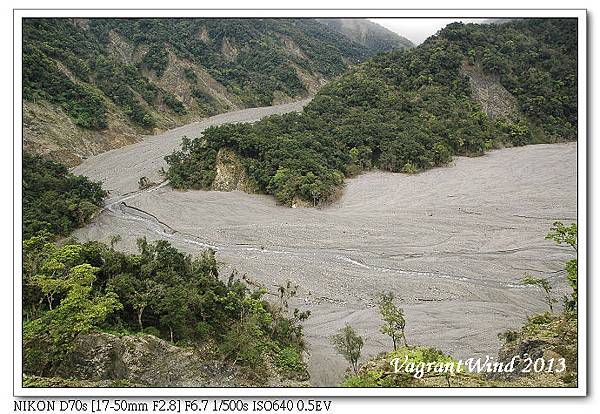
48 131
143 361
231 173
229 51
544 350
494 99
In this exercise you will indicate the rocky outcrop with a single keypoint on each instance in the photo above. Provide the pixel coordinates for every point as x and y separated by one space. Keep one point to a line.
545 337
229 51
204 36
291 46
102 359
145 360
123 50
231 174
494 99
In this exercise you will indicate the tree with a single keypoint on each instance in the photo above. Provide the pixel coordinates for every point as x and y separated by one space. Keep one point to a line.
174 310
349 345
146 295
544 285
47 338
35 252
52 278
286 292
74 288
393 317
571 268
562 234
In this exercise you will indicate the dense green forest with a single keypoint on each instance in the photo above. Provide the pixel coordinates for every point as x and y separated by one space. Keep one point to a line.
87 65
404 111
54 200
76 288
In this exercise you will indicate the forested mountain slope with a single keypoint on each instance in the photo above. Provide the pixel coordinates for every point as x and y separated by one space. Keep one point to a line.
465 90
94 84
369 34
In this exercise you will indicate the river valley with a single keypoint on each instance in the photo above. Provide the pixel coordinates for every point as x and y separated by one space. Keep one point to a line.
452 243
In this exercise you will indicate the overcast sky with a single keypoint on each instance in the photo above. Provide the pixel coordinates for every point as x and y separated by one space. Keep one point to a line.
417 30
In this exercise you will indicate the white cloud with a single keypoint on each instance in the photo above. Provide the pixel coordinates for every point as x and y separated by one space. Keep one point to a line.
417 30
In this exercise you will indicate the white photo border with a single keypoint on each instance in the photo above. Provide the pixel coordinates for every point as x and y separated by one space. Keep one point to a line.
580 390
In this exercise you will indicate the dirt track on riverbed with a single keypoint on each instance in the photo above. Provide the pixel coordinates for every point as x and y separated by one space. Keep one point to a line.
451 243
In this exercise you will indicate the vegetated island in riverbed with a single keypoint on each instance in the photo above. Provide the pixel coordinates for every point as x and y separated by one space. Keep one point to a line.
465 90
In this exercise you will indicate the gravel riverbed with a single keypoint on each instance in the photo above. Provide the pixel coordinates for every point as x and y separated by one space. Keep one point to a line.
451 243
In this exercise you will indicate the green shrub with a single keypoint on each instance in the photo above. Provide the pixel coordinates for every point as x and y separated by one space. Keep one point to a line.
151 330
203 329
409 168
379 372
174 104
156 59
246 343
289 361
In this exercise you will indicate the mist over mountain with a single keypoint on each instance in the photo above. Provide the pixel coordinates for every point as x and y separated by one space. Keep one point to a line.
372 35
